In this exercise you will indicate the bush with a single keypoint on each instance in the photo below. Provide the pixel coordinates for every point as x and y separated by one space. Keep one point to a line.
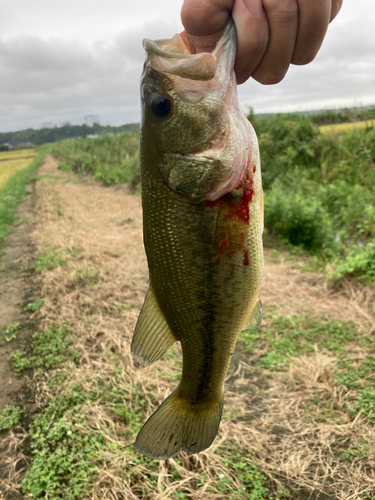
359 263
287 142
297 219
110 159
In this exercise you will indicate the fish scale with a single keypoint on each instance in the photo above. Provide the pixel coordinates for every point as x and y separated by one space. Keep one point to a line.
202 223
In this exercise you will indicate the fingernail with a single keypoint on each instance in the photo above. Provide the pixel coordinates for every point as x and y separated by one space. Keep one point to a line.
254 6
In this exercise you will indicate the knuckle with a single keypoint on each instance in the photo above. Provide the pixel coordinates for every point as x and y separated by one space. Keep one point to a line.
285 8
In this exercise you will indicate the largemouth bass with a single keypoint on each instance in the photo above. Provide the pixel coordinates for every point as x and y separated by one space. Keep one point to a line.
203 223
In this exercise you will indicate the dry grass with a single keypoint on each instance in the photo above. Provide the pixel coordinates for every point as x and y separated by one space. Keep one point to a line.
344 127
98 231
286 290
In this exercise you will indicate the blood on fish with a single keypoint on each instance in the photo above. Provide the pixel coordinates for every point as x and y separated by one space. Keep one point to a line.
246 259
213 203
234 218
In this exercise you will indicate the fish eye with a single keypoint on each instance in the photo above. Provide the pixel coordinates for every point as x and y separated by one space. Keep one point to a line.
161 105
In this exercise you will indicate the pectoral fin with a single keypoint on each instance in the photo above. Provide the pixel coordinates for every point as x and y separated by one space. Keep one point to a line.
195 176
152 336
256 316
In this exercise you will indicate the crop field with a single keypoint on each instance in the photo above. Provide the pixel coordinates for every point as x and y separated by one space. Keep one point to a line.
17 154
12 162
299 411
344 127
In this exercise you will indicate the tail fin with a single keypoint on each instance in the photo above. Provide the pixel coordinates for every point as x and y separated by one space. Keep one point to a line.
178 425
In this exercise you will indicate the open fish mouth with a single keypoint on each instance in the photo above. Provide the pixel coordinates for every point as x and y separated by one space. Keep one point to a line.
197 95
172 57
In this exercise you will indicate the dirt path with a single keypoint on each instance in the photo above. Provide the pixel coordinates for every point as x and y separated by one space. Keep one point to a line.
17 255
96 232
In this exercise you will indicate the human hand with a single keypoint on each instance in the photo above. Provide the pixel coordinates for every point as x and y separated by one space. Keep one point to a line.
271 34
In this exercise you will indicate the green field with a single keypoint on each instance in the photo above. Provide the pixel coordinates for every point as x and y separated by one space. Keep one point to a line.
345 127
15 173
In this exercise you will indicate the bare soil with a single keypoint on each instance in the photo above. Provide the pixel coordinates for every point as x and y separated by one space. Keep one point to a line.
101 230
17 255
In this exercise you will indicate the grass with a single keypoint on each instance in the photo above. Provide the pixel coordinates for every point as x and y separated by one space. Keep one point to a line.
10 332
50 348
296 416
10 417
18 153
9 168
49 261
86 424
286 339
34 306
12 193
345 127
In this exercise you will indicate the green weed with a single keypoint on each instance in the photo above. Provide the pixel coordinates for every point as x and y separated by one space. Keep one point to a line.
10 332
49 349
287 337
49 261
34 306
10 417
358 450
238 464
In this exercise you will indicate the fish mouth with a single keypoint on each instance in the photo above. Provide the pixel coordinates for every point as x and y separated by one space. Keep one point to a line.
172 57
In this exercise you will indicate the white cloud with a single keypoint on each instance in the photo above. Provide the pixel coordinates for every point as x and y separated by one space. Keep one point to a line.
60 61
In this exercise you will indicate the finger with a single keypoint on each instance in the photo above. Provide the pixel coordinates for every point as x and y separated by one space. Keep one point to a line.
252 36
205 17
314 18
282 16
336 6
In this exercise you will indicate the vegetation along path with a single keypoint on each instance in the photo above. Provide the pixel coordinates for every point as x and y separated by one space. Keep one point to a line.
300 401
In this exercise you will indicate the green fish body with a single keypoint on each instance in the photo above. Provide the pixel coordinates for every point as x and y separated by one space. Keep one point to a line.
203 223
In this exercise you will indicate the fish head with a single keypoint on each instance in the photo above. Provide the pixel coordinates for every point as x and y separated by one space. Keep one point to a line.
187 101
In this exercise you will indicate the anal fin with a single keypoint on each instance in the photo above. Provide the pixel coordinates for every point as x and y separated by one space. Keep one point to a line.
152 336
256 316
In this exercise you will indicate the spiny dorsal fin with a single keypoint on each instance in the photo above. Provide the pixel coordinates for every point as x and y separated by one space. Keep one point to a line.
256 316
152 336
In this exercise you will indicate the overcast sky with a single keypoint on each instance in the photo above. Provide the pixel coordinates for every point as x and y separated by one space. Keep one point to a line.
61 60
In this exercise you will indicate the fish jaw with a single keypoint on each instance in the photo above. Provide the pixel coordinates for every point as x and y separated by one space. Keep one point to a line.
199 140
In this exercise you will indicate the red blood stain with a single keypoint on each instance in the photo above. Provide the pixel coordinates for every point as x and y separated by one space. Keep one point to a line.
254 169
213 203
215 297
246 259
236 210
242 209
223 247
